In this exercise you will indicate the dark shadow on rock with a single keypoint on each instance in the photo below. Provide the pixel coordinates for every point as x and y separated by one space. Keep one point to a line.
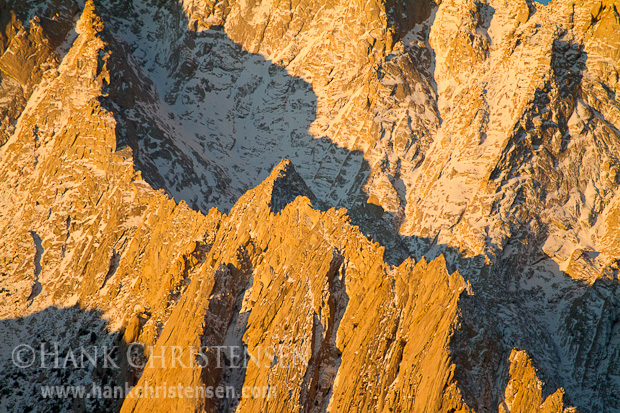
226 328
568 328
60 349
269 113
287 186
513 305
222 119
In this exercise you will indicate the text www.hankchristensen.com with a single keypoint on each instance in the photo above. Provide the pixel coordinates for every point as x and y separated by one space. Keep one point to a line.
163 391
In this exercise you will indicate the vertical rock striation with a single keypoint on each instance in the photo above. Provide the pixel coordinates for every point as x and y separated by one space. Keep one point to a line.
418 202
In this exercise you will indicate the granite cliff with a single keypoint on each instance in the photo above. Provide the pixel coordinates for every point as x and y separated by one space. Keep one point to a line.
417 201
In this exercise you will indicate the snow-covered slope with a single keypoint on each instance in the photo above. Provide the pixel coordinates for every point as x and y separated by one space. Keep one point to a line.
217 119
474 145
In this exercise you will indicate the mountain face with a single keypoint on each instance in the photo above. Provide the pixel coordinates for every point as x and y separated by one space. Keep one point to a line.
412 205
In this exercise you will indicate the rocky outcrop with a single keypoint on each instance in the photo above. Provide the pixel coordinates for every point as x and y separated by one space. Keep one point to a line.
473 144
302 282
29 53
524 389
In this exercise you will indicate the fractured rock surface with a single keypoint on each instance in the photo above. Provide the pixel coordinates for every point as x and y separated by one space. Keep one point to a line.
416 200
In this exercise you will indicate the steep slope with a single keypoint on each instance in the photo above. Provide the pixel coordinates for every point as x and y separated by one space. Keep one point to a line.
105 243
481 138
253 111
475 107
298 281
513 152
27 52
